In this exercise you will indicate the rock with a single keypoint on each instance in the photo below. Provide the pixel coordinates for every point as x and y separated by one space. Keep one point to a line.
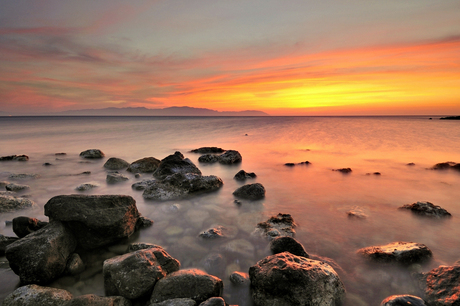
60 154
192 283
239 278
175 163
288 244
212 233
443 286
410 164
401 252
279 225
141 246
214 301
357 213
427 209
94 300
47 164
230 157
250 191
14 158
41 256
92 153
301 163
86 186
4 242
33 295
181 185
204 150
343 170
23 176
16 187
176 302
23 226
450 118
134 275
214 263
144 165
10 203
240 247
113 178
74 265
289 164
286 279
446 165
243 175
208 158
143 184
115 163
402 300
143 222
96 220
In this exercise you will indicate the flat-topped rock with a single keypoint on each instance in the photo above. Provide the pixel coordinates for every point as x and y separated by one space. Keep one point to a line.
343 170
144 165
115 163
401 252
10 203
427 209
24 176
92 153
86 186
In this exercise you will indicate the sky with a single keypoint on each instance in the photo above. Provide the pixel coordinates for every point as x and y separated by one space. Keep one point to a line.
285 57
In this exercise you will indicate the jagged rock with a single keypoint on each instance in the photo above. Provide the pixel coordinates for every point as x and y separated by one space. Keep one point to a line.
212 233
94 300
115 163
208 158
4 242
181 185
402 300
16 187
276 226
401 252
23 226
343 170
446 165
175 163
74 265
14 158
41 256
92 153
23 176
288 244
286 279
204 150
10 203
144 165
96 220
134 275
239 278
113 178
176 302
443 286
230 157
143 184
427 209
192 283
214 301
250 191
86 186
243 175
34 295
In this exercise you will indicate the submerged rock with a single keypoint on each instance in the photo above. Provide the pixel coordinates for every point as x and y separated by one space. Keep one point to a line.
144 165
356 213
288 244
250 191
175 163
14 158
37 295
287 279
427 209
22 226
276 226
402 300
343 170
212 233
92 153
443 286
115 163
86 186
204 150
113 178
16 187
24 176
401 252
243 175
10 203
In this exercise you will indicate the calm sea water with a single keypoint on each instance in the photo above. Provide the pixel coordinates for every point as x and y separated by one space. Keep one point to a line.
317 197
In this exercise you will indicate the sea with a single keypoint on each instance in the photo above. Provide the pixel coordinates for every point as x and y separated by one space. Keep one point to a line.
401 149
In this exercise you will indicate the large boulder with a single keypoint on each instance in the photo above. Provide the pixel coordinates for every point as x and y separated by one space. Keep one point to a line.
144 165
427 209
443 286
94 300
402 252
288 244
10 203
285 279
96 220
40 257
92 153
133 275
34 295
250 191
194 284
22 226
402 300
175 163
115 163
180 185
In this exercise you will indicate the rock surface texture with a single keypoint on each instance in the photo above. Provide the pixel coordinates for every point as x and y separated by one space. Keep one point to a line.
443 286
401 252
287 280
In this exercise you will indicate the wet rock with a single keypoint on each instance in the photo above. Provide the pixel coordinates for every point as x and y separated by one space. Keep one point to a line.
286 279
113 178
443 286
357 213
94 300
10 203
143 184
192 283
276 226
16 187
143 222
230 157
22 226
343 170
86 186
446 165
23 176
181 185
208 158
96 220
250 191
212 233
92 153
239 278
214 301
74 265
134 275
34 295
14 158
288 244
4 242
243 175
115 163
175 163
402 300
41 256
427 209
176 302
289 164
204 150
401 252
141 246
144 165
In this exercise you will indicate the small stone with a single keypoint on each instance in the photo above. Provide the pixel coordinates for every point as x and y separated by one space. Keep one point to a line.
86 186
92 153
113 178
343 170
243 175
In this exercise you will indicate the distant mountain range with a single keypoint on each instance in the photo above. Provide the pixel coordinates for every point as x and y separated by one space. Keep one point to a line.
142 111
